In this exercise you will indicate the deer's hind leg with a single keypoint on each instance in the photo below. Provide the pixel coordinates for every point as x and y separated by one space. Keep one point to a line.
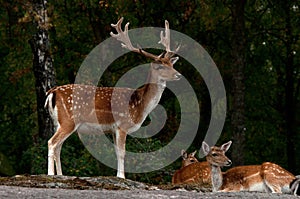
54 148
276 178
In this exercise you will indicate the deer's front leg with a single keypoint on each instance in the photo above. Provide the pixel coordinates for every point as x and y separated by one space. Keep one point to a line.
120 139
57 160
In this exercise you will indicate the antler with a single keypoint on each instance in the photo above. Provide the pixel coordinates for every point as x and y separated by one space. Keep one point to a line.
165 41
126 43
123 36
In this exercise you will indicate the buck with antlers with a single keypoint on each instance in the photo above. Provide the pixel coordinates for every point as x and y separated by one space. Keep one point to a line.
73 111
267 177
201 177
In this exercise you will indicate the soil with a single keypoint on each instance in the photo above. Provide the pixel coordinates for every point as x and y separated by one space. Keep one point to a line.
43 186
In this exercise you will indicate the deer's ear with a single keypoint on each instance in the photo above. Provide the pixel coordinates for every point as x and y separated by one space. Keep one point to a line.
184 154
226 146
205 148
174 60
194 153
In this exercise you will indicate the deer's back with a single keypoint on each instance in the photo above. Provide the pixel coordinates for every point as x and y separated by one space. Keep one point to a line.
196 173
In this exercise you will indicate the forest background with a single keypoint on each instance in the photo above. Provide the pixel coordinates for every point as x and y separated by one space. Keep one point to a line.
255 45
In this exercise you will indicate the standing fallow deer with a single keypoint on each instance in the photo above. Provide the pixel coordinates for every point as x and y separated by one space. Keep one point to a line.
73 111
267 177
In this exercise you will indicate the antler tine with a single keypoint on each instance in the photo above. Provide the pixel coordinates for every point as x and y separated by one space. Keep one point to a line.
118 25
126 43
165 40
123 36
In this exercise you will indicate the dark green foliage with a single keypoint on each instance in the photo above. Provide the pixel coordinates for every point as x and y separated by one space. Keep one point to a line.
5 166
271 73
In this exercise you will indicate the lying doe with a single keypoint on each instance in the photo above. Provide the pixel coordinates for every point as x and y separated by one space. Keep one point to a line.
267 177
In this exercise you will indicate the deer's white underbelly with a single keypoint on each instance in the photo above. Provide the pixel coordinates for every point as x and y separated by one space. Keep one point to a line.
94 128
97 129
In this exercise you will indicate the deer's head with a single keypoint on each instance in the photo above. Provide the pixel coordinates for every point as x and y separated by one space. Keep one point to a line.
216 155
188 159
162 65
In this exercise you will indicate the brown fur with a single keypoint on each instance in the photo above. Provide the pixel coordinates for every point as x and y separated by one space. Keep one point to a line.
196 173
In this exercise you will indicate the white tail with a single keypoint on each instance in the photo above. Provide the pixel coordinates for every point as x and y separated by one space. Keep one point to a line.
74 110
267 177
190 165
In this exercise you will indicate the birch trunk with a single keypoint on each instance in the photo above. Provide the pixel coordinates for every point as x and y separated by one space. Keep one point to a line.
42 65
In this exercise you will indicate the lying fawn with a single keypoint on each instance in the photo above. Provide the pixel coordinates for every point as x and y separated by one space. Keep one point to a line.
181 176
188 158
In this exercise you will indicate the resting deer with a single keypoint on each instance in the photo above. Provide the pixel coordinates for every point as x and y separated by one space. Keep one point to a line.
267 177
73 111
202 176
188 158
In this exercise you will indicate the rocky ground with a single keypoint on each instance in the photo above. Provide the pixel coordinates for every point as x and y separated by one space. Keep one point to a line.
43 186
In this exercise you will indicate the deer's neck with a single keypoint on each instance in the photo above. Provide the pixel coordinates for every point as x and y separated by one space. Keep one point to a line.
216 178
145 99
153 90
151 94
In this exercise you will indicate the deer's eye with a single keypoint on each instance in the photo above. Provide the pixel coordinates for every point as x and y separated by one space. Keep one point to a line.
159 67
192 160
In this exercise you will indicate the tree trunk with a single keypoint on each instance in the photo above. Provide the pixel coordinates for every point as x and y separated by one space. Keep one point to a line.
290 99
42 66
238 65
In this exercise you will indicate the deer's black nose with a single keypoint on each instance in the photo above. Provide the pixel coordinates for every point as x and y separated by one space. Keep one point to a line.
228 163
